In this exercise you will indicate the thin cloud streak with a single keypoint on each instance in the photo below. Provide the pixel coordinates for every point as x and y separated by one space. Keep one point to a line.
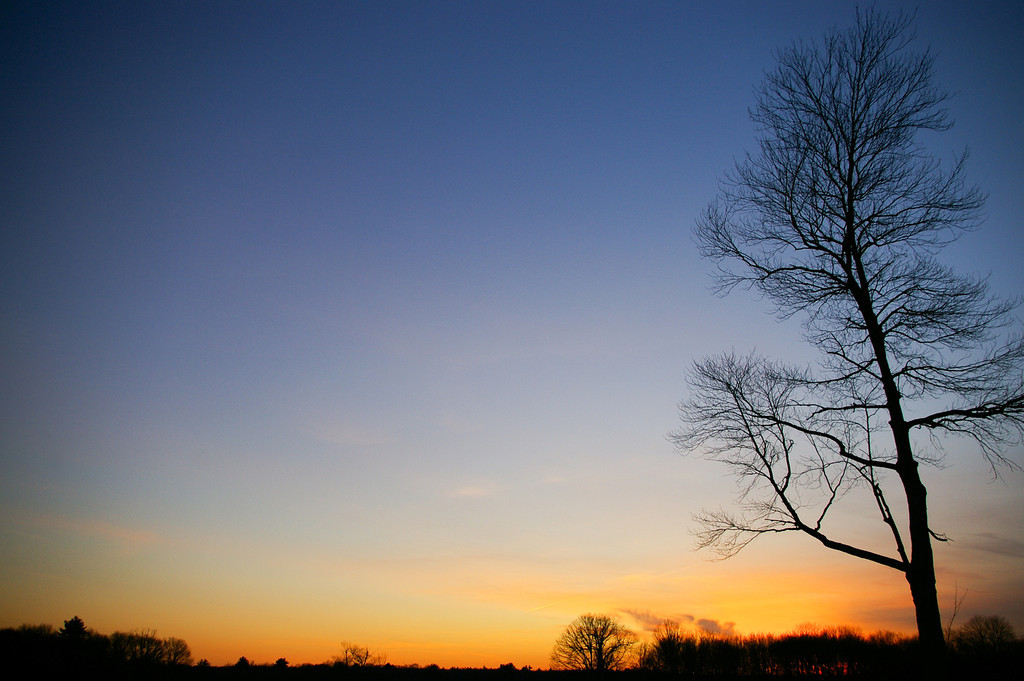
99 529
995 544
472 492
554 603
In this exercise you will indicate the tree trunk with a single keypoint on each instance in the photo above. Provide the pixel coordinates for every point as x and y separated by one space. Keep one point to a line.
921 572
921 575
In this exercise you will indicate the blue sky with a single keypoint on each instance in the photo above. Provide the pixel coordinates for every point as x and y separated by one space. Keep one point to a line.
381 311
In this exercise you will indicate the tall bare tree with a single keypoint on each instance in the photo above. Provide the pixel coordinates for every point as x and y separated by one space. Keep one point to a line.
838 219
594 643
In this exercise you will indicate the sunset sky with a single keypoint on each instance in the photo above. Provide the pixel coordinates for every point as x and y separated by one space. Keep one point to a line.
367 321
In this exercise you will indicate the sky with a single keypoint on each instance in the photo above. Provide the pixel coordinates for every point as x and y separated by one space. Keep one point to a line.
368 322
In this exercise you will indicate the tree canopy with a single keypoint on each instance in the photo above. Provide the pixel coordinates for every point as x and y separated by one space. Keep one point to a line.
594 643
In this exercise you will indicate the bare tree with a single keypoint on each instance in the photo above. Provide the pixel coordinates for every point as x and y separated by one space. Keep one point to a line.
595 643
671 650
139 647
838 219
985 633
176 651
354 655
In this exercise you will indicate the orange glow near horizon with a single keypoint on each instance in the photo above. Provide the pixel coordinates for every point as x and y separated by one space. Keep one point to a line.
465 609
467 618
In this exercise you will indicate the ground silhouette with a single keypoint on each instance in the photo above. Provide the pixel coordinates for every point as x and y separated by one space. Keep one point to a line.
984 647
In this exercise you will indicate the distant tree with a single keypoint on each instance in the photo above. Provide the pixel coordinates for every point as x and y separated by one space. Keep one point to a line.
837 219
594 643
985 633
353 655
74 629
671 650
281 662
176 651
243 662
80 647
137 647
38 630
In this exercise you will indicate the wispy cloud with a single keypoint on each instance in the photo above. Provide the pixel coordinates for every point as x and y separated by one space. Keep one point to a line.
127 536
716 627
472 492
646 619
554 603
649 621
992 543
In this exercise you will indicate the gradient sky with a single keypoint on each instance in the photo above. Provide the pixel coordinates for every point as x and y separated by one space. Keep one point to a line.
367 322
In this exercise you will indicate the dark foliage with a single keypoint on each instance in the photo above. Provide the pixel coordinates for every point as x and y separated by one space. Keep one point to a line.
41 652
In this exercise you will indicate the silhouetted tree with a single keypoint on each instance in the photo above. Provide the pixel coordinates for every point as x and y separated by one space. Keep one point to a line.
176 651
353 655
74 629
671 650
137 647
985 634
837 218
595 643
81 648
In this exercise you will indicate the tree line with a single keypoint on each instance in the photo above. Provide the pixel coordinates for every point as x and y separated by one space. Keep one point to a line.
43 651
592 643
984 645
74 646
